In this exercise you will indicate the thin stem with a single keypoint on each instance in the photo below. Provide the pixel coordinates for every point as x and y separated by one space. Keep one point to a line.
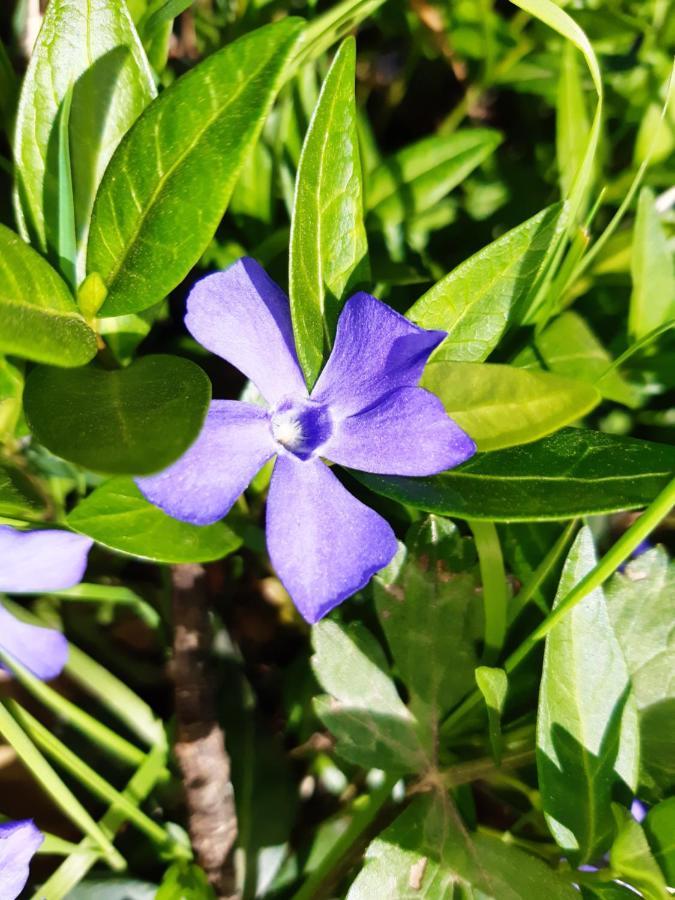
495 593
541 573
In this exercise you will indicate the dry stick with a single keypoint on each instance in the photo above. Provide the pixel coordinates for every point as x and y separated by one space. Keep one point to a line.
200 744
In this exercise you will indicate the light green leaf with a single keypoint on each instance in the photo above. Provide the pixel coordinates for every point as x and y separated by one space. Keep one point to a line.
118 516
500 406
116 421
652 302
93 49
640 605
575 472
659 826
632 860
475 301
493 685
372 725
38 316
587 726
326 29
328 251
170 180
428 853
186 881
572 121
417 177
11 391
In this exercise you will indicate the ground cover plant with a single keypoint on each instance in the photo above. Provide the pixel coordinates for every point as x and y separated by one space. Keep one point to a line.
336 460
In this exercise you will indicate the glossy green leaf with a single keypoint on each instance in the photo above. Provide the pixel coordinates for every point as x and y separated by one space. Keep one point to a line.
372 725
116 421
652 302
417 177
38 316
429 853
640 603
500 406
475 301
572 473
659 827
93 49
18 496
569 347
587 725
328 251
426 602
632 860
169 181
572 121
11 392
118 516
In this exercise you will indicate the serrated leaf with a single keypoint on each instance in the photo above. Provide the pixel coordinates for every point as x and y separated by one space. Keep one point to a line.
116 421
328 250
500 406
587 726
475 301
574 472
118 516
38 316
93 49
169 181
652 302
640 605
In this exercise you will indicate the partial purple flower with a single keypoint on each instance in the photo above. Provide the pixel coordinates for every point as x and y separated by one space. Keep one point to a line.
365 412
33 562
19 841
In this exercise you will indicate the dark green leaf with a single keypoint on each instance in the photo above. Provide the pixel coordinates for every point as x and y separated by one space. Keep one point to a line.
475 301
170 180
130 421
38 316
572 473
587 725
328 252
499 406
118 516
659 826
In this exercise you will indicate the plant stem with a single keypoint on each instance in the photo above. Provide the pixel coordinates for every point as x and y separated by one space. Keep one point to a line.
495 593
542 571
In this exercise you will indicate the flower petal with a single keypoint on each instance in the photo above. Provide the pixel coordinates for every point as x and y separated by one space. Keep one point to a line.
201 487
18 843
408 433
35 561
244 317
376 351
323 543
43 651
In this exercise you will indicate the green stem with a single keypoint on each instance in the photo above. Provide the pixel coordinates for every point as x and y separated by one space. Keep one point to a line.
495 592
541 573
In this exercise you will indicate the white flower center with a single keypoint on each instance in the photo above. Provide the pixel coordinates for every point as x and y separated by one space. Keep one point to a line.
287 430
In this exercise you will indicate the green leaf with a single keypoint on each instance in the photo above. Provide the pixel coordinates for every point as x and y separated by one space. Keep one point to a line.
426 602
569 347
11 392
572 121
186 881
427 852
659 827
169 181
417 177
38 316
328 251
372 725
652 302
499 406
575 472
640 604
130 421
587 726
475 301
93 49
18 496
632 860
118 516
493 684
66 239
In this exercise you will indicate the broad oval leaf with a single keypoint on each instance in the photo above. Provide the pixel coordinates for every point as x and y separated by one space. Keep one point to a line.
475 301
587 726
169 181
38 316
130 421
118 516
576 472
92 48
500 406
328 251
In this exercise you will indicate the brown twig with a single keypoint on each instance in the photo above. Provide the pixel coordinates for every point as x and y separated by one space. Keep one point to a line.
200 743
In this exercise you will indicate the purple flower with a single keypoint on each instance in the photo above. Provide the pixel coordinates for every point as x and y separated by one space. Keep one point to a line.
365 412
32 562
19 842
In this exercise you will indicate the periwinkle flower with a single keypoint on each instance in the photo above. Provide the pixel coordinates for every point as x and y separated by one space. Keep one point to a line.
33 562
365 412
19 841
